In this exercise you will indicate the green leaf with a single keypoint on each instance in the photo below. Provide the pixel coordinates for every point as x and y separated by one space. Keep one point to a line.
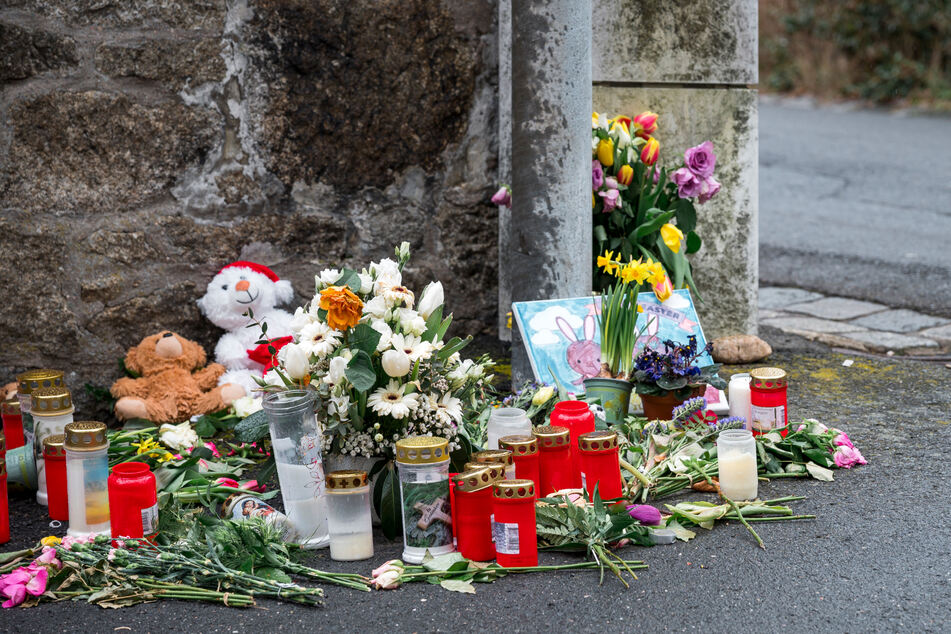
819 473
454 345
274 574
391 519
205 427
654 223
600 234
681 533
360 372
432 324
693 242
455 585
686 215
349 278
364 338
253 428
820 457
444 563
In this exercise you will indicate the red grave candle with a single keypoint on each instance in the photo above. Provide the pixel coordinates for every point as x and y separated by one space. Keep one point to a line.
554 460
600 465
768 405
54 456
473 512
525 455
578 418
4 509
133 505
513 506
12 423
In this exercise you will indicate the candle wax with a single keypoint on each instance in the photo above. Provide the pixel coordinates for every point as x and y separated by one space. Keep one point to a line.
738 475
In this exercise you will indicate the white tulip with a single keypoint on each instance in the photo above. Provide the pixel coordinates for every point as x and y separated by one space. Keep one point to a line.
386 334
366 282
396 363
431 299
295 361
246 405
338 370
178 437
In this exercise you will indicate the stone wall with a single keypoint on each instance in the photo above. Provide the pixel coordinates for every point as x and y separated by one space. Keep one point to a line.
146 143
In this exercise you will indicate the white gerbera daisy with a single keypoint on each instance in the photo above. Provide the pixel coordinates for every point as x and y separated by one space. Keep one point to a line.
390 401
398 296
448 409
416 348
318 339
386 273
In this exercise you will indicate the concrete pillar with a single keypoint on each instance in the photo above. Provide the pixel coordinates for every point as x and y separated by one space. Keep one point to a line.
549 238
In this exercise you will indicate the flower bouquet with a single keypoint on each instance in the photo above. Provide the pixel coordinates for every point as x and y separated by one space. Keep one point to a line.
666 379
640 208
375 354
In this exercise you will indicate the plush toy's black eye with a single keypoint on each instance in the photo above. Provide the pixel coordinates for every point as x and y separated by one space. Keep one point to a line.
224 287
243 277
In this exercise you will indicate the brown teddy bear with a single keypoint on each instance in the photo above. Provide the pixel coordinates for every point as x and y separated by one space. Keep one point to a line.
175 384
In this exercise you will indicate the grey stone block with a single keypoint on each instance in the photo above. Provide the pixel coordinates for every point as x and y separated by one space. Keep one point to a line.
836 308
900 320
941 333
777 297
706 41
726 267
884 341
811 324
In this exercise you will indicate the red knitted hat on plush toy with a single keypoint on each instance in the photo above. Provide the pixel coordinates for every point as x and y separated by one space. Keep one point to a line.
254 266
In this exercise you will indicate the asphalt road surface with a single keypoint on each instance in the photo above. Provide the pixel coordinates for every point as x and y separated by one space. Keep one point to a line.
877 558
856 203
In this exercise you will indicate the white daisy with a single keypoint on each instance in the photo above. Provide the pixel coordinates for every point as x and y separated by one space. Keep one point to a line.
398 296
416 348
386 334
411 321
448 409
318 339
390 401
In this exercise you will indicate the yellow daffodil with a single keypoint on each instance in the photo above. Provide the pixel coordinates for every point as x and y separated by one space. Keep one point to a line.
51 540
606 152
635 272
543 395
149 446
606 262
672 237
625 175
657 272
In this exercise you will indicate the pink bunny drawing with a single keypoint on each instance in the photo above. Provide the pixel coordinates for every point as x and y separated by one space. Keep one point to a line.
583 356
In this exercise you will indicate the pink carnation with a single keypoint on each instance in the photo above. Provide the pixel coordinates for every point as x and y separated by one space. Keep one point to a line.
846 457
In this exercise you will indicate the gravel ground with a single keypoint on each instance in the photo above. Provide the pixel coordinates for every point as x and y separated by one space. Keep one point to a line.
876 559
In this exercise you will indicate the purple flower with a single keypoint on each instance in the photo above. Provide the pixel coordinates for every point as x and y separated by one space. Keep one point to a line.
688 185
503 197
645 514
597 175
656 176
710 189
610 182
610 197
701 160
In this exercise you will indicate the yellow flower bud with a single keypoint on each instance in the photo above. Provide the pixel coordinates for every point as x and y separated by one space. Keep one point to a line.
625 175
606 152
672 237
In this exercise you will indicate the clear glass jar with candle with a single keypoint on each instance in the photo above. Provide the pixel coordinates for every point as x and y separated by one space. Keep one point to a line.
736 460
295 440
739 396
423 466
87 478
506 421
348 515
26 383
503 456
52 409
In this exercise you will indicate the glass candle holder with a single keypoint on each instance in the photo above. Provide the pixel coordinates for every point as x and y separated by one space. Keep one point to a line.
578 418
133 504
12 423
525 456
768 400
295 440
473 513
506 421
52 410
739 396
503 456
4 508
54 459
600 464
21 466
513 531
27 382
554 460
423 466
87 475
348 515
736 460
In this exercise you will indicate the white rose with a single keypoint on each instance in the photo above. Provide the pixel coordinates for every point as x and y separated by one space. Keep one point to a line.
386 334
328 277
411 322
431 299
295 361
337 371
387 274
300 319
396 363
178 437
366 282
247 405
375 308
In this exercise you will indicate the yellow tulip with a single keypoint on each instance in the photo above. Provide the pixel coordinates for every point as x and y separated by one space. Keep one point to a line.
664 290
625 175
606 152
672 237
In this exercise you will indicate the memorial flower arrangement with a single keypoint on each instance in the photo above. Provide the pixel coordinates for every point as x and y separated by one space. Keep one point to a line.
642 209
376 354
674 370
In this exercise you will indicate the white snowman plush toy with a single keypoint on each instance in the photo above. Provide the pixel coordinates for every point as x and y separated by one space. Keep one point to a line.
236 288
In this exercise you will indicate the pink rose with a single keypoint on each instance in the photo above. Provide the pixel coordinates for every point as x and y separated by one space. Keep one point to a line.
701 160
846 457
842 440
708 189
503 197
610 197
389 580
389 565
688 185
16 593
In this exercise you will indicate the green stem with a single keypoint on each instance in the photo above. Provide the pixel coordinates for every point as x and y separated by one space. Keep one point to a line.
772 519
730 502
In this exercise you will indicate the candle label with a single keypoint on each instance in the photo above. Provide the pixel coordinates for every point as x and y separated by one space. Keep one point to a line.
149 520
768 418
96 487
246 506
505 536
28 427
427 519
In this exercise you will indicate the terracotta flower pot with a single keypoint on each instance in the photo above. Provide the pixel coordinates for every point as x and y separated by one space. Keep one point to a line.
662 407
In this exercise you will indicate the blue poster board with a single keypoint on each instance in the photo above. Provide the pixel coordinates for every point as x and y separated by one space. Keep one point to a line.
563 339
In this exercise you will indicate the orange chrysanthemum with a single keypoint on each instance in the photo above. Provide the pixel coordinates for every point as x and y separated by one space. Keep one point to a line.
344 309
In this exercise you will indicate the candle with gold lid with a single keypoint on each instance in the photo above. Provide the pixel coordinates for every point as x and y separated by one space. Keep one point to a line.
525 456
87 478
768 407
52 410
555 459
12 423
473 511
348 515
600 464
423 467
27 382
497 455
513 530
